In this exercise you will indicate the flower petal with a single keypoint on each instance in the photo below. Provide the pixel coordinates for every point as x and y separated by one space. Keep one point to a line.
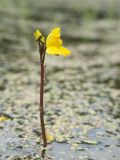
53 38
64 51
53 50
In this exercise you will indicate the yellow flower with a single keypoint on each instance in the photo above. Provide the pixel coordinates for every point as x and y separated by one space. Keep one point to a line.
54 44
37 34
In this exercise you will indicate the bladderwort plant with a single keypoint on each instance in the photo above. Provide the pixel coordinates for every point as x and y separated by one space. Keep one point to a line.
51 45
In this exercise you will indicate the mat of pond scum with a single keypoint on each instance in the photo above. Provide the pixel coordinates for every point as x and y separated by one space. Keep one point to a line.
82 92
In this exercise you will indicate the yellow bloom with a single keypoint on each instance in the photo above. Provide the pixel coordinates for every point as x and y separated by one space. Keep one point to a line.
54 44
37 34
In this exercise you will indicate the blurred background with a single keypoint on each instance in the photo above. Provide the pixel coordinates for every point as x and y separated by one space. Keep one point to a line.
20 18
82 91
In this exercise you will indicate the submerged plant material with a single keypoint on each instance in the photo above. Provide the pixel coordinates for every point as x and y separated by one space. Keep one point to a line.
53 46
50 137
4 117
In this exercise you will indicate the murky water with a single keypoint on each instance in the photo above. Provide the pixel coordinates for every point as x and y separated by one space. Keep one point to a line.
82 92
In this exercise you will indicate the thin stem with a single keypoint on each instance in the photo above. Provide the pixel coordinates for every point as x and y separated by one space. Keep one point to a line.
42 68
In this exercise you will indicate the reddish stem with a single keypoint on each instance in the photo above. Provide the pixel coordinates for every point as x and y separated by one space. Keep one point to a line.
41 108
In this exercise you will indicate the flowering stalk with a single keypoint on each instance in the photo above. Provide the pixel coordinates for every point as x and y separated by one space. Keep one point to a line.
41 107
53 46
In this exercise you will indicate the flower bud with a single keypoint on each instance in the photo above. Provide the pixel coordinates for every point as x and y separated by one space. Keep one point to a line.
37 34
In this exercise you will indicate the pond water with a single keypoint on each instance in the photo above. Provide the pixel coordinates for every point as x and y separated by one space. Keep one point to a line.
82 92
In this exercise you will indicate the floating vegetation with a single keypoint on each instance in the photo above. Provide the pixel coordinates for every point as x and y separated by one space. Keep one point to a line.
4 117
90 142
82 93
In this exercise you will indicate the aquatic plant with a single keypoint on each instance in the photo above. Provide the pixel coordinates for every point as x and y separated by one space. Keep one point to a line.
51 45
